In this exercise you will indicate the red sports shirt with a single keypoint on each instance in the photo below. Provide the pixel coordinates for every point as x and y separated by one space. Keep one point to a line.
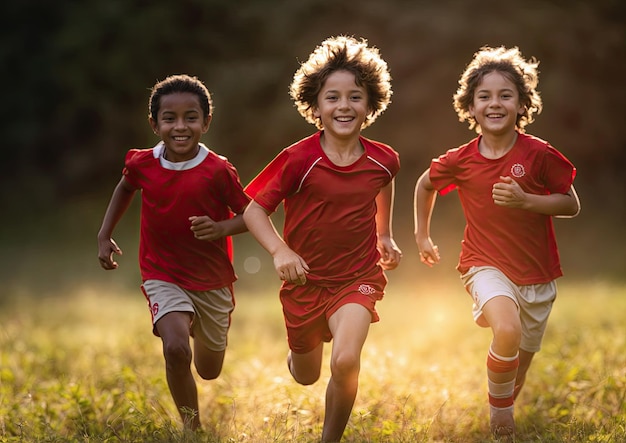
520 243
329 210
171 193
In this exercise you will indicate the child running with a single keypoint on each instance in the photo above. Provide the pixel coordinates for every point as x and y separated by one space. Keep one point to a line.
510 185
188 196
337 188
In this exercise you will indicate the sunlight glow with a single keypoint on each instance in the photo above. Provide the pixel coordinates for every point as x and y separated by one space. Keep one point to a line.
252 265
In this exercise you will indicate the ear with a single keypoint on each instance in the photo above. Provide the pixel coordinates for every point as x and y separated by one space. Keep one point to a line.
521 110
470 109
316 112
154 125
206 124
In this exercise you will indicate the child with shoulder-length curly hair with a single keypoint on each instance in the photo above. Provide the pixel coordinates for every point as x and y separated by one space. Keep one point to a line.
337 191
510 185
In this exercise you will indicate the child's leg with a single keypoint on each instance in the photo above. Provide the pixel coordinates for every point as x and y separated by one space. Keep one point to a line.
208 363
305 368
210 329
349 326
525 358
502 362
174 331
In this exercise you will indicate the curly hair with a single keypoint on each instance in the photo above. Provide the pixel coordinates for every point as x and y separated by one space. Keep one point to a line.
342 53
510 63
179 83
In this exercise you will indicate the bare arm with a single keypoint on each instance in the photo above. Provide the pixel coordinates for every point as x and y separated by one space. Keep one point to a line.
389 251
507 192
120 200
289 265
425 197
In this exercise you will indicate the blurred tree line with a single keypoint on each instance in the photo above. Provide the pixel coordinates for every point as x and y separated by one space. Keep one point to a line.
78 73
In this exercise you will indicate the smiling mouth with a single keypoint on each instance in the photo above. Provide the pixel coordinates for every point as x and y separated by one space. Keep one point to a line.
495 115
344 119
181 138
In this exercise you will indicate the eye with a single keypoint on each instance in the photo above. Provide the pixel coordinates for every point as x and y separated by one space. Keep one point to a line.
356 97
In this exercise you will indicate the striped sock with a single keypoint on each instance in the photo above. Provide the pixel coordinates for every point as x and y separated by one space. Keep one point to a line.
500 364
501 395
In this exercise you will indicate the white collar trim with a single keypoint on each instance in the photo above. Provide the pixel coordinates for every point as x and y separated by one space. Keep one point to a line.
159 150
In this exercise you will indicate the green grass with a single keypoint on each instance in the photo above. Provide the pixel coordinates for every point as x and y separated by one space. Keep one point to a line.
84 367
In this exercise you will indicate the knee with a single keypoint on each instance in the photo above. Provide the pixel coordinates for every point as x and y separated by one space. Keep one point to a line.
345 365
177 354
209 372
304 377
508 335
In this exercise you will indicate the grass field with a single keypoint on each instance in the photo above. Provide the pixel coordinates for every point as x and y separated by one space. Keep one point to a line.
84 367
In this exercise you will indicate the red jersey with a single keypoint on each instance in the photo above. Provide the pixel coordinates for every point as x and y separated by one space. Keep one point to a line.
520 243
171 193
330 210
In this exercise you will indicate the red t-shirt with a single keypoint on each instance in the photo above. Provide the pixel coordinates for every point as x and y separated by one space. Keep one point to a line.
330 210
520 243
171 193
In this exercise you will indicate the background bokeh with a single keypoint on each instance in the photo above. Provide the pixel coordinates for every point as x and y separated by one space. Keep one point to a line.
77 75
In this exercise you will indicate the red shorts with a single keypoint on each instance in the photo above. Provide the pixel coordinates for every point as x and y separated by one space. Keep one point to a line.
307 308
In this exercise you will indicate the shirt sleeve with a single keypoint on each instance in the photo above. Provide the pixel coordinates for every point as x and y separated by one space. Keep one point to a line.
274 182
130 168
235 197
557 171
442 175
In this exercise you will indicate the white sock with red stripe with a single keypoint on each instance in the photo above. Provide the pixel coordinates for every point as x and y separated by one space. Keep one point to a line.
501 395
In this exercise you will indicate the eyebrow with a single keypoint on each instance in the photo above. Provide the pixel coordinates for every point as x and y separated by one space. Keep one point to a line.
352 91
499 90
185 112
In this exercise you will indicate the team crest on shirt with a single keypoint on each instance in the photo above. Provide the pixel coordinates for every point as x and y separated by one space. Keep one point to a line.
517 170
155 309
366 289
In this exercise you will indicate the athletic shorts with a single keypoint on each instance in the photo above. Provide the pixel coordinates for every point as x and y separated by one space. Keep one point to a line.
534 302
210 310
307 308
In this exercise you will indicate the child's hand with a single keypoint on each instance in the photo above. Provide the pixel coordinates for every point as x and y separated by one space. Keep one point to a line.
390 254
507 192
106 249
429 253
290 266
204 228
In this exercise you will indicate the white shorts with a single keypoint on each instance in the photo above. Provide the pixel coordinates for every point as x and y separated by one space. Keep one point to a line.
210 310
534 302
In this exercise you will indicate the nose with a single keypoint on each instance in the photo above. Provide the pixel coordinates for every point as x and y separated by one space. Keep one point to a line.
179 123
344 102
494 102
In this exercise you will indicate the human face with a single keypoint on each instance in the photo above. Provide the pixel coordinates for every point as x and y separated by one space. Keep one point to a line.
180 124
341 105
496 104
